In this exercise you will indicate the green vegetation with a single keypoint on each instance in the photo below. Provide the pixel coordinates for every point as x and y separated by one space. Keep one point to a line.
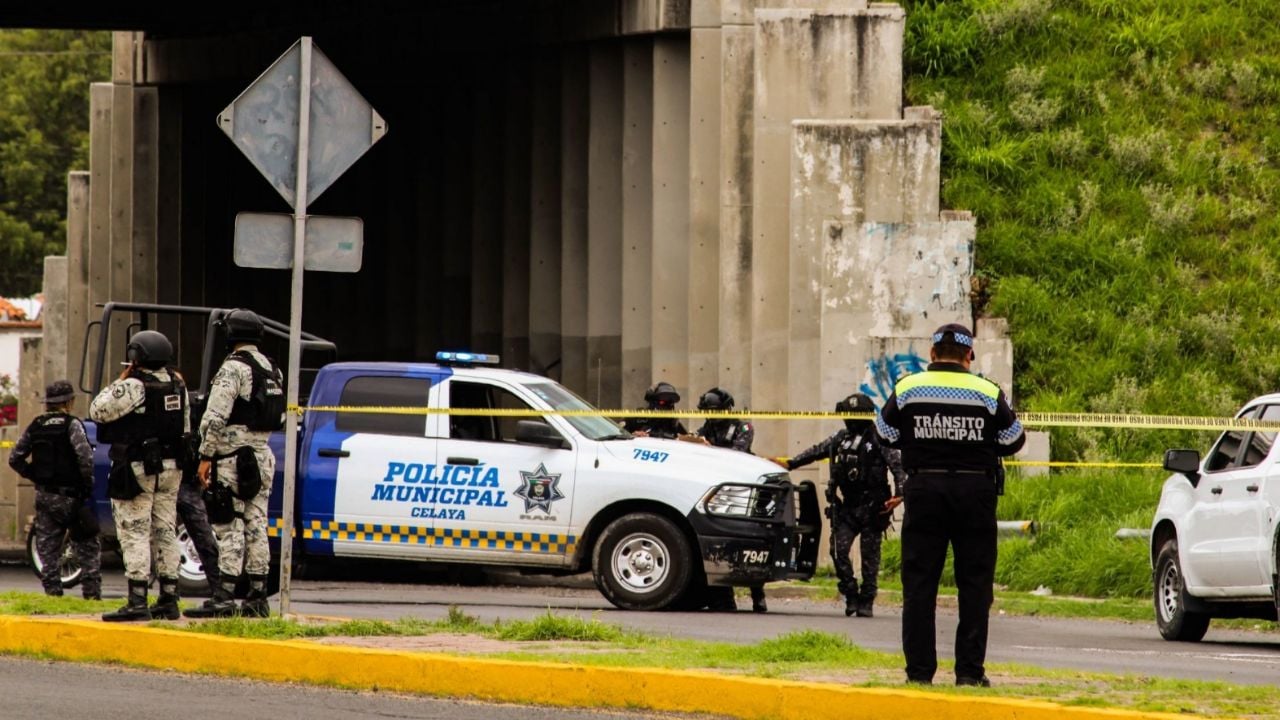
17 602
1120 156
44 133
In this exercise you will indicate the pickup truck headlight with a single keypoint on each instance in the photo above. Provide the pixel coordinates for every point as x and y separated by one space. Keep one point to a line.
746 500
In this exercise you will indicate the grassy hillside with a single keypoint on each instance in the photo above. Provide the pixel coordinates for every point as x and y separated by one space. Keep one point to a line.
1120 156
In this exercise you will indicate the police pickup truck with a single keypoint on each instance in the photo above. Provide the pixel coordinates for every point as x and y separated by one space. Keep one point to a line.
655 521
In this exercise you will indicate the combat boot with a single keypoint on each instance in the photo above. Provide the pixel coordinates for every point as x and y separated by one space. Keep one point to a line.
166 607
864 608
758 603
135 608
222 604
255 603
851 604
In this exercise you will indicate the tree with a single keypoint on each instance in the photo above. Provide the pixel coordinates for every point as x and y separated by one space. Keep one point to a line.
44 134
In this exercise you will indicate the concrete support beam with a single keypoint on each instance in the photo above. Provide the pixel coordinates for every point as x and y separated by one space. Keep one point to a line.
638 220
544 228
737 120
53 314
486 222
704 206
670 159
10 528
448 203
575 121
515 213
30 390
145 180
168 227
120 223
653 16
604 226
99 258
77 270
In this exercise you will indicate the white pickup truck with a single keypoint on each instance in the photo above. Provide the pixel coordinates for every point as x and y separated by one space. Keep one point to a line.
1215 539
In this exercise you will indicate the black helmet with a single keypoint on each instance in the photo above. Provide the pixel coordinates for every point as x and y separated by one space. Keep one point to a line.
150 349
715 399
241 325
856 403
662 394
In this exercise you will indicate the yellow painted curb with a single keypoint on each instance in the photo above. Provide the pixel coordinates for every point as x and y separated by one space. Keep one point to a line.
536 683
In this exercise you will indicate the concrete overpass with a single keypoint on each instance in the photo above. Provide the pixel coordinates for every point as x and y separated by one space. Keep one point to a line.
611 192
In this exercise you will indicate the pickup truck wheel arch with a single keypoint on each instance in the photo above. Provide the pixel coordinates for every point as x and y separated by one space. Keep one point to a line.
587 542
643 561
1173 618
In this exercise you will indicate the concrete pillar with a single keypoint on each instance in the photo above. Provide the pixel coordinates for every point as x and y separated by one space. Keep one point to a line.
808 64
10 529
544 228
145 179
638 220
704 200
120 223
53 314
486 222
30 390
515 226
670 159
448 203
168 227
604 226
737 93
575 121
77 270
99 258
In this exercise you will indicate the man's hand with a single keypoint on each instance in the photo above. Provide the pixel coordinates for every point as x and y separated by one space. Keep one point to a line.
691 438
892 503
206 466
125 372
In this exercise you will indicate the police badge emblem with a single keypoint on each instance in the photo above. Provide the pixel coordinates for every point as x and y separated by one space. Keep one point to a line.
539 489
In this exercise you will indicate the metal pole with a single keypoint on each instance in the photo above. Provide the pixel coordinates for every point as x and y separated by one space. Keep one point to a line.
295 325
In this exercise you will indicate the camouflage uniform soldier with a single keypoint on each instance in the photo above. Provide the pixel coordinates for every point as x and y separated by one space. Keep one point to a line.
55 455
738 435
145 416
245 404
857 492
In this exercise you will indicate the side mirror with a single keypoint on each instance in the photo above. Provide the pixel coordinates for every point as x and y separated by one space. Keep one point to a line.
1186 462
536 432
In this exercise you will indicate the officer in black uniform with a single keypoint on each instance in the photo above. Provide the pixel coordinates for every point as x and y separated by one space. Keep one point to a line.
952 427
662 396
55 455
194 517
145 416
857 491
735 434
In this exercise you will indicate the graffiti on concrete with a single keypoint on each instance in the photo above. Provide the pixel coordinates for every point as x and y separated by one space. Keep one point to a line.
885 371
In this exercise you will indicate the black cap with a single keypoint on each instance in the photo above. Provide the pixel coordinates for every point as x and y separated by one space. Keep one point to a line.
58 391
953 334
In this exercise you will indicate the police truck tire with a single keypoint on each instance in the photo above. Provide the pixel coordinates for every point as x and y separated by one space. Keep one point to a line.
642 561
71 570
1172 617
191 577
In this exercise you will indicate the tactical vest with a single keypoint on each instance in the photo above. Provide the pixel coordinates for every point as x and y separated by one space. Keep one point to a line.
859 467
161 417
53 458
264 410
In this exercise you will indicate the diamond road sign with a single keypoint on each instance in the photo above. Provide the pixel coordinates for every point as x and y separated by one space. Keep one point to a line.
263 123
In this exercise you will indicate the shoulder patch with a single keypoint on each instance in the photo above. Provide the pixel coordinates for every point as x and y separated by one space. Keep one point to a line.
118 392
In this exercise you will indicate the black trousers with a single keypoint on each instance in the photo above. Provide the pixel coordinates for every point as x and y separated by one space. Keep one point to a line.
959 510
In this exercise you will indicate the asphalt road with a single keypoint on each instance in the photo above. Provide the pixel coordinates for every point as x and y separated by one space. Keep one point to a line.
43 689
391 591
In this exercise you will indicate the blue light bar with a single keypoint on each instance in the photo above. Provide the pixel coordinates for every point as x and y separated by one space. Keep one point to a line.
466 358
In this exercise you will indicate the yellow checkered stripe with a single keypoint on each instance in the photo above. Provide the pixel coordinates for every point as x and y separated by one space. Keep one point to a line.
433 537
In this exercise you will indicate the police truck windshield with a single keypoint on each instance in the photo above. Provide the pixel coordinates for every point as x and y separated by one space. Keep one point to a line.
595 427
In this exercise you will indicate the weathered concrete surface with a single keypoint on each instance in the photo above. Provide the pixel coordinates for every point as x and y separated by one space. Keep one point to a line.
638 218
574 122
670 158
53 318
737 93
99 258
604 227
10 528
544 224
515 214
652 16
30 390
77 271
704 204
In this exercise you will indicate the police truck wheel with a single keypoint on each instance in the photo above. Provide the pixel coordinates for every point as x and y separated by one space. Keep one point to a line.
1172 617
191 577
642 562
70 564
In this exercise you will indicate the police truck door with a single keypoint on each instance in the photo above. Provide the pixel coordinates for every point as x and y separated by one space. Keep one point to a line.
501 499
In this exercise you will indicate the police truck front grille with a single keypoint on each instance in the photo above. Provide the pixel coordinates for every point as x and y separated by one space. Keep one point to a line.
747 501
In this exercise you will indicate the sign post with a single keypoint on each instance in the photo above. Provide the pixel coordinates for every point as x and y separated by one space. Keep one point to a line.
260 122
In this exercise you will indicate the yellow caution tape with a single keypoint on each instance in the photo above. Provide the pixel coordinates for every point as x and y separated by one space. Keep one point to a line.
1031 419
6 444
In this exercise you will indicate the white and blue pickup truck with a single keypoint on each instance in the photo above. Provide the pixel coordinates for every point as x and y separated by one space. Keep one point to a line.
655 521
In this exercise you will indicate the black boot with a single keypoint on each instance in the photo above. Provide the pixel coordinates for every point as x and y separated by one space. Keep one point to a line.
222 604
851 604
255 603
135 608
864 608
166 607
758 603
